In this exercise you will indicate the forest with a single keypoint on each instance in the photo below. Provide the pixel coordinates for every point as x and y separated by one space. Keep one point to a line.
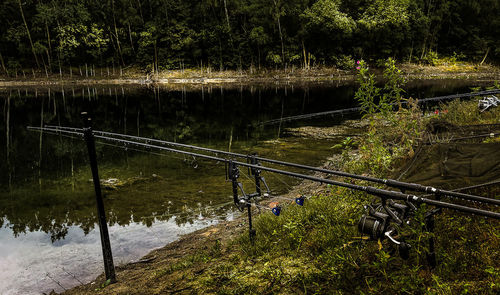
156 35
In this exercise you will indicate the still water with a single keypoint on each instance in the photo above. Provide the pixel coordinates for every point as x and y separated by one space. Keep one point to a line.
48 236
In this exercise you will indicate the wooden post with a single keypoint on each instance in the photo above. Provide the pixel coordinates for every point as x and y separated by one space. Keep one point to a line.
109 267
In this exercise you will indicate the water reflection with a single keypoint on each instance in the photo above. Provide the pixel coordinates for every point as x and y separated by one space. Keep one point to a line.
47 207
32 263
45 178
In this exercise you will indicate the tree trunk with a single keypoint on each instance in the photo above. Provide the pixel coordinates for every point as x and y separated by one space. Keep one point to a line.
116 32
258 52
48 59
140 10
485 56
411 52
28 32
3 65
220 55
130 36
227 15
281 34
305 55
49 52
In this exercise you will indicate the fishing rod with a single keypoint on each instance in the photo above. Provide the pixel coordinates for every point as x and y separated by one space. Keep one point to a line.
472 187
308 116
381 220
357 109
403 186
381 193
461 95
490 135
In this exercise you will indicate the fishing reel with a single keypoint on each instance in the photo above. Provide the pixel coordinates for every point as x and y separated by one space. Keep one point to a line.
243 201
378 223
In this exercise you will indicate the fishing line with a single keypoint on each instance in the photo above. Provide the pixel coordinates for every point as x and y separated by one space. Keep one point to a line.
181 213
473 186
248 165
382 193
388 182
71 274
118 146
142 151
282 181
357 109
490 135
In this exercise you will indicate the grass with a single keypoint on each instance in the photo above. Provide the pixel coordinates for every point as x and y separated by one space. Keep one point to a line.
316 249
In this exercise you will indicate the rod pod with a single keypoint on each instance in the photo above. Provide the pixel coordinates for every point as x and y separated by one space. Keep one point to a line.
233 174
256 173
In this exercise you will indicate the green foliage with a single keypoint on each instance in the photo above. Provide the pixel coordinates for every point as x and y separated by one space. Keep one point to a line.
368 94
326 15
380 13
103 285
237 34
393 88
259 36
457 113
274 59
344 62
431 58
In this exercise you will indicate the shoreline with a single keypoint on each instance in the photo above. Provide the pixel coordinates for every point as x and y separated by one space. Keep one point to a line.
170 259
174 267
197 77
165 261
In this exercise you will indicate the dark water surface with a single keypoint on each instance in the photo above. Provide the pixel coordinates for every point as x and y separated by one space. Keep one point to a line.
48 237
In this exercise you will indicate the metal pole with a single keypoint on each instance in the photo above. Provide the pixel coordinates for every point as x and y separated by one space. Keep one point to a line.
251 231
109 267
256 174
431 254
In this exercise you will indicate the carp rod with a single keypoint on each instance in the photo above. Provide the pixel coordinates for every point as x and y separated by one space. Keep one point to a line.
357 109
381 193
403 186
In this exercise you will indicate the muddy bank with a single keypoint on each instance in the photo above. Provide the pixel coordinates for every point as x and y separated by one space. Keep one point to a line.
169 270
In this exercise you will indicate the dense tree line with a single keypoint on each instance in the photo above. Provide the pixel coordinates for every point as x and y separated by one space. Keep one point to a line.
232 34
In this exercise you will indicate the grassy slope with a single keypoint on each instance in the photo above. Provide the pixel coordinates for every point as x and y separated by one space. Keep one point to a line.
316 249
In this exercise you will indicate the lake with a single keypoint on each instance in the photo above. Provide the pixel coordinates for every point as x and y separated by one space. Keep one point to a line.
48 236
